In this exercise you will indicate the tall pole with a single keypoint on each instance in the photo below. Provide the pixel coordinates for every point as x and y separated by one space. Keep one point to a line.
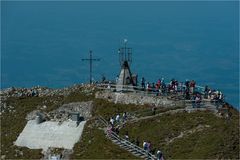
125 49
90 59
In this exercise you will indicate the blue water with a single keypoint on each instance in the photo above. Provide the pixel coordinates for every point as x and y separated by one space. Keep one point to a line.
43 42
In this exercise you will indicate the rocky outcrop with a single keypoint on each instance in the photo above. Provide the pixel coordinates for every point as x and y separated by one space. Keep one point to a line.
62 113
138 99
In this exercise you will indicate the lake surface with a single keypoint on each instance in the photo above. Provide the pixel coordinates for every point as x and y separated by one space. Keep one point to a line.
43 42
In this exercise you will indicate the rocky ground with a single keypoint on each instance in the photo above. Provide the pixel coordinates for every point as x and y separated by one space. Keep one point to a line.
38 91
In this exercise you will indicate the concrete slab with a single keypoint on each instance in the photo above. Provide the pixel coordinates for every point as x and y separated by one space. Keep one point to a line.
50 134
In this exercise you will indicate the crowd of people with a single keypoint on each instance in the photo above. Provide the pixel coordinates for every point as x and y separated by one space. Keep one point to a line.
114 126
188 89
174 86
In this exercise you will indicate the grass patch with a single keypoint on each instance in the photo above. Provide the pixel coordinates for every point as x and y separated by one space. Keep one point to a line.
109 109
221 140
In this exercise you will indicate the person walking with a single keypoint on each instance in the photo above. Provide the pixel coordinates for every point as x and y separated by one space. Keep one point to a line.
145 145
117 118
159 155
112 121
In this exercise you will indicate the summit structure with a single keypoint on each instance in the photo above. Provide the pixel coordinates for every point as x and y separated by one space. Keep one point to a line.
126 79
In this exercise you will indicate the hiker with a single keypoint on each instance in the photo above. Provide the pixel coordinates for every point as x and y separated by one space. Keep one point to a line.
192 86
181 87
158 83
117 129
206 89
220 97
187 95
157 89
149 146
117 118
145 145
159 155
187 84
124 116
109 131
112 121
198 100
193 101
163 88
143 83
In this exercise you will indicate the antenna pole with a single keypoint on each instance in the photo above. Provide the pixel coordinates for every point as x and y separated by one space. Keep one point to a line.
125 53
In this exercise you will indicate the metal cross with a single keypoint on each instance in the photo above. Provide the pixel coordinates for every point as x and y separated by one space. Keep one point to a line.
90 59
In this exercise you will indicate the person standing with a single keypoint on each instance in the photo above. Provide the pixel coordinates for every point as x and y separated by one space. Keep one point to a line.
145 145
124 116
143 83
112 121
159 155
117 118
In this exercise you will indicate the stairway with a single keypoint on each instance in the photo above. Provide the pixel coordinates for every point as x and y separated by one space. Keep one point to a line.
125 144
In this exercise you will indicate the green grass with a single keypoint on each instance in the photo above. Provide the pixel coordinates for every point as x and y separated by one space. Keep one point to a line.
109 109
220 140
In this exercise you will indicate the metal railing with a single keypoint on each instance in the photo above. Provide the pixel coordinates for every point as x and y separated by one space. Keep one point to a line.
145 91
127 143
178 94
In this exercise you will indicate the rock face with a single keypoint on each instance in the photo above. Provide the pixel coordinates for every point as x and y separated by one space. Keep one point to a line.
133 98
62 113
84 108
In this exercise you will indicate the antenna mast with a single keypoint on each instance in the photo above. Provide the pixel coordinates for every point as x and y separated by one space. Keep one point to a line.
125 54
